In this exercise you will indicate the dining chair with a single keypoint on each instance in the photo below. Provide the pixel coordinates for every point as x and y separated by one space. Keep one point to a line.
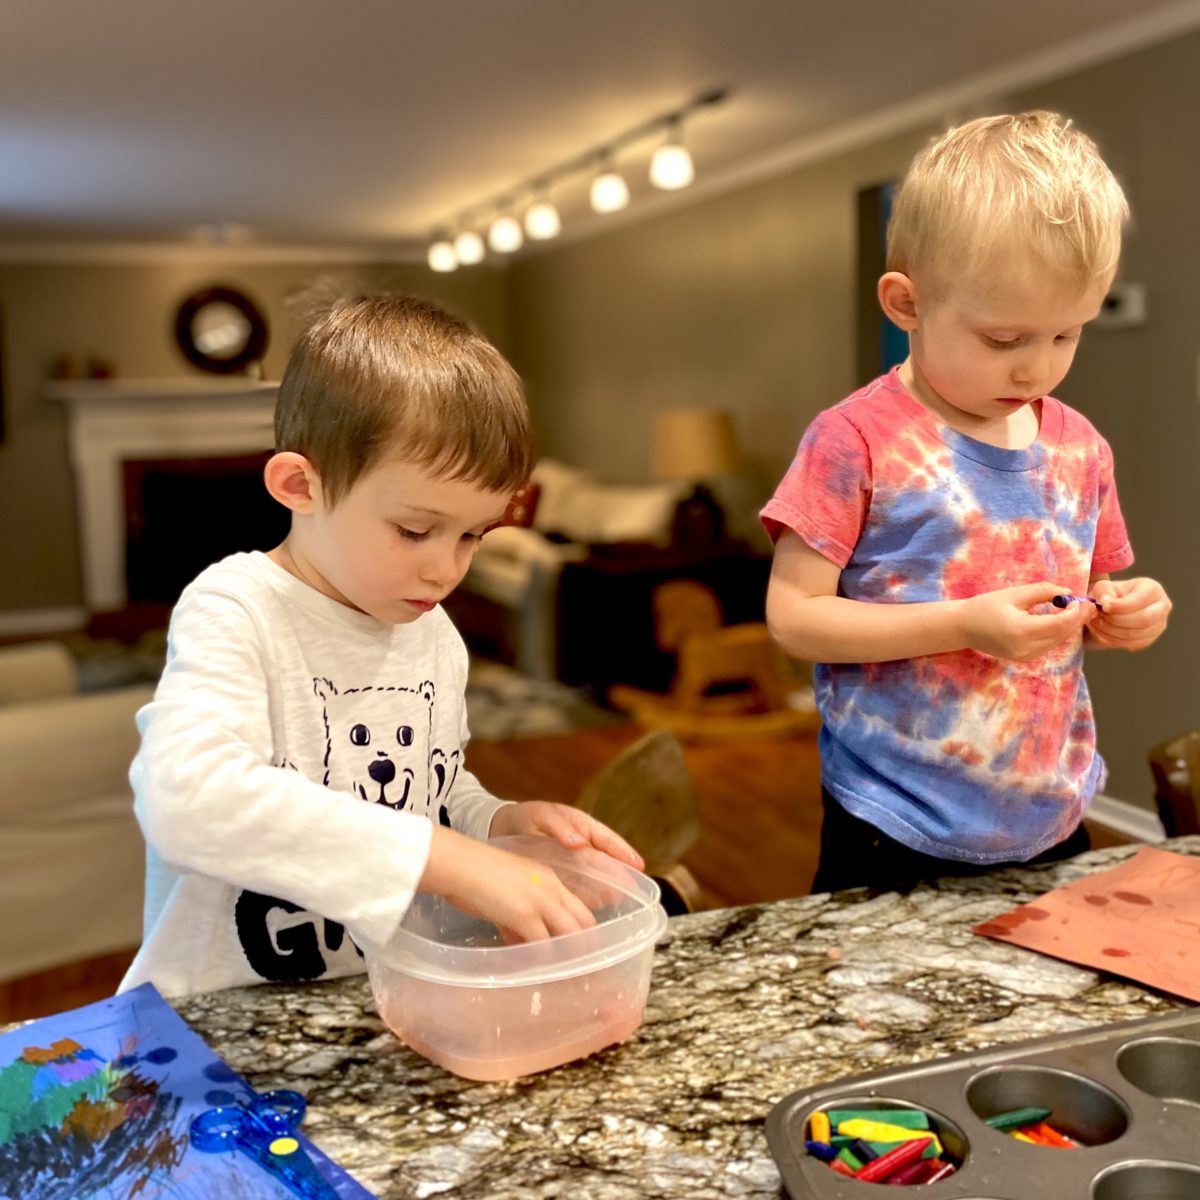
1175 766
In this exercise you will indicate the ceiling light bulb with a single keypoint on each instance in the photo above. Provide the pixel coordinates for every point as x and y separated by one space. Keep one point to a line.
671 167
505 235
442 256
610 192
468 248
542 220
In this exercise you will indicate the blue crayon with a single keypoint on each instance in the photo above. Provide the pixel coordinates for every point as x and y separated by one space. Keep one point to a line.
822 1150
862 1151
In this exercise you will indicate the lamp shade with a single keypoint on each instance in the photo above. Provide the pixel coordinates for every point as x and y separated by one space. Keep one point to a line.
468 248
505 235
441 256
671 167
610 192
694 443
542 220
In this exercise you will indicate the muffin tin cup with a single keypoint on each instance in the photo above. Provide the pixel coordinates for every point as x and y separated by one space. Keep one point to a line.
1130 1093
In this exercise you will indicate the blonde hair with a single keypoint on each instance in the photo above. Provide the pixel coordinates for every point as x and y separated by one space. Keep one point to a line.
1001 183
400 376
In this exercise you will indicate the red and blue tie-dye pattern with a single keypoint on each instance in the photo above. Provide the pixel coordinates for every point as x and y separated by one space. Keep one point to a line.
959 755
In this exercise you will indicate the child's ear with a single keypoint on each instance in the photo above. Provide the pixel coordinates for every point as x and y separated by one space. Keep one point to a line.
898 299
293 481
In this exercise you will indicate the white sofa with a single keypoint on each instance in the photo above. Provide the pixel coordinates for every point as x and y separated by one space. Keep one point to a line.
71 852
517 567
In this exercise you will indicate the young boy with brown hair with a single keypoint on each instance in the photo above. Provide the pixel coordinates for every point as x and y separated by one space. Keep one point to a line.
301 770
929 521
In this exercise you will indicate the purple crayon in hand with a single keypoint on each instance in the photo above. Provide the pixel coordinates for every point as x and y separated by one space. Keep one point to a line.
1063 601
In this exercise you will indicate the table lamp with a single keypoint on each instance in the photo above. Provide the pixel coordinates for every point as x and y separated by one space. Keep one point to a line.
696 444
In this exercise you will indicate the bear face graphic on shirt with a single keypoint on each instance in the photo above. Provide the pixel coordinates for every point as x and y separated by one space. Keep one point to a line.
379 746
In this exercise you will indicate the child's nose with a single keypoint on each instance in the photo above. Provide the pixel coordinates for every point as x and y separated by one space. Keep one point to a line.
1031 370
447 563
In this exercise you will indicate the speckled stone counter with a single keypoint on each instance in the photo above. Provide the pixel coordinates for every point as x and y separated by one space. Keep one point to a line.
746 1005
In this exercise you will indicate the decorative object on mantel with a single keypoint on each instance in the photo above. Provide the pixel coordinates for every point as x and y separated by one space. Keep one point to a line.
64 366
222 330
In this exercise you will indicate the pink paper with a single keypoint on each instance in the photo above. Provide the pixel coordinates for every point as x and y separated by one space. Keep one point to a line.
1140 920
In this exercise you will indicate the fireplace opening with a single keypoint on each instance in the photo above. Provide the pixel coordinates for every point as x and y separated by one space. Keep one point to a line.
183 514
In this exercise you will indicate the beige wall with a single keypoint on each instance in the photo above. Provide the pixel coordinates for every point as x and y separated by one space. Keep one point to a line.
746 301
125 314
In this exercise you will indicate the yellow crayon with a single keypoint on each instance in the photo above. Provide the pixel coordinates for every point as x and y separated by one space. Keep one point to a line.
818 1127
878 1131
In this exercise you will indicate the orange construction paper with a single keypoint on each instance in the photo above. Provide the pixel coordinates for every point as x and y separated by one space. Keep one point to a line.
1140 920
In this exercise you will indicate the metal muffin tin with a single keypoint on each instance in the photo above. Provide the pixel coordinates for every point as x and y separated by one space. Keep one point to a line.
1130 1092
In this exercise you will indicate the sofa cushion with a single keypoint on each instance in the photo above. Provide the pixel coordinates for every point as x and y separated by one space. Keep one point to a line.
36 671
557 483
600 512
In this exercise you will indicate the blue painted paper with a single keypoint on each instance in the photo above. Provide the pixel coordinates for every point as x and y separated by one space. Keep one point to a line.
96 1104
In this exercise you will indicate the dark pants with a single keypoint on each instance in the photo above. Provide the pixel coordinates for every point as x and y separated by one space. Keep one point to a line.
856 854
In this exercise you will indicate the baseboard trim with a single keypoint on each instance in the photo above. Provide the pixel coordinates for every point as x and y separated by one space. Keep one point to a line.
1126 818
42 620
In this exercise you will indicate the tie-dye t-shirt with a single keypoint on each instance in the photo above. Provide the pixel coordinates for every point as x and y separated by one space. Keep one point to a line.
960 755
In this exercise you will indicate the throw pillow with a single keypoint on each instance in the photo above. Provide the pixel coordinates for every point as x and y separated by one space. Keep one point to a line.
522 506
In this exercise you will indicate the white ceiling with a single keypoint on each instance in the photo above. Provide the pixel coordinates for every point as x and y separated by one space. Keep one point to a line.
365 123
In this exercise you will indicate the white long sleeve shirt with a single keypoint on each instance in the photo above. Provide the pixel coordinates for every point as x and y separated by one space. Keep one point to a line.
293 758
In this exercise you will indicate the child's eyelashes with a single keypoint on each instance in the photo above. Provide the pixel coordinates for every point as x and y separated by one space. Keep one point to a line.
420 535
997 343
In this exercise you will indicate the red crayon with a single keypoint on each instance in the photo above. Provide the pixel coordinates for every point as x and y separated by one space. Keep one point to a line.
917 1172
887 1164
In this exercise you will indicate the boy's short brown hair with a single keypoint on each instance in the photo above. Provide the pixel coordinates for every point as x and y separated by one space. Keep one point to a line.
396 375
983 191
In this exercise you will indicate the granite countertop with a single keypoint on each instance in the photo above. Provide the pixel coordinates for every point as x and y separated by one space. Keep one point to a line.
746 1005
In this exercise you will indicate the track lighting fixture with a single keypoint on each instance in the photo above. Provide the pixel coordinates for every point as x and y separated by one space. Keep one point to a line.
505 234
671 168
541 219
610 192
469 248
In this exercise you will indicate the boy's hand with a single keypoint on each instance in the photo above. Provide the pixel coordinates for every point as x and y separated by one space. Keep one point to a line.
524 899
1134 615
1000 623
568 826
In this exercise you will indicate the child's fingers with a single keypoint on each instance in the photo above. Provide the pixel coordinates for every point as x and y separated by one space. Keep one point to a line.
1029 595
613 843
1134 595
571 915
574 829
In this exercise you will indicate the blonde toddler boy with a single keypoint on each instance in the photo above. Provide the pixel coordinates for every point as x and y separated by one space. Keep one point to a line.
929 520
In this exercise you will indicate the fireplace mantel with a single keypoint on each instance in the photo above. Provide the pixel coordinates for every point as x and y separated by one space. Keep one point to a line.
113 420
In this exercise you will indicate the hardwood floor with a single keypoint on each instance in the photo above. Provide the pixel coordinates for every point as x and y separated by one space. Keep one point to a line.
760 808
63 987
759 800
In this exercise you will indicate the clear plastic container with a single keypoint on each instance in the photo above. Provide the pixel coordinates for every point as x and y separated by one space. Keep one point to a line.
450 987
